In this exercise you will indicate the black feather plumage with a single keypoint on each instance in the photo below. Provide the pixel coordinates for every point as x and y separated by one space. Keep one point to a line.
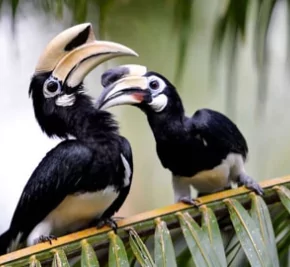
206 151
179 138
90 163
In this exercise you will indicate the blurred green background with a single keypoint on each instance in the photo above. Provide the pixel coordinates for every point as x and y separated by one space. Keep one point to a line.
231 56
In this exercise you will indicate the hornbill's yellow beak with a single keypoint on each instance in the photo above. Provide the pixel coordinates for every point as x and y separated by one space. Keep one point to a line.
124 84
73 53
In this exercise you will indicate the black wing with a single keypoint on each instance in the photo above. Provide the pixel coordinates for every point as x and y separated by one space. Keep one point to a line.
219 132
116 205
54 178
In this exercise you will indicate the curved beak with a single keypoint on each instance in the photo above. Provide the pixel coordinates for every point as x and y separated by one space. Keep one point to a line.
124 85
73 53
73 68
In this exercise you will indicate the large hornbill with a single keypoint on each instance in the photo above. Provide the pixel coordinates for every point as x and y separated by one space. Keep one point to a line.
84 179
206 151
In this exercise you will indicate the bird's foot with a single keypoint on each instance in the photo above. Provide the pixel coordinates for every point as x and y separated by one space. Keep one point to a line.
45 238
249 183
188 201
256 188
109 222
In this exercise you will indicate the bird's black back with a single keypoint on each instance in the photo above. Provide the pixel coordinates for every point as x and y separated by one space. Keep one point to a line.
220 132
190 145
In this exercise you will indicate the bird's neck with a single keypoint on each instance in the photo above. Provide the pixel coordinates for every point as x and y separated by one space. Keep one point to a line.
169 123
90 125
81 120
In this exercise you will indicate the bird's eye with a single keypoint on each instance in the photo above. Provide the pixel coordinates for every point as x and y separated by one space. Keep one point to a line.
154 85
52 86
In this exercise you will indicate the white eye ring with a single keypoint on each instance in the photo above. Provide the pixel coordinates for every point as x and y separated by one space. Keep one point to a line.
51 87
156 85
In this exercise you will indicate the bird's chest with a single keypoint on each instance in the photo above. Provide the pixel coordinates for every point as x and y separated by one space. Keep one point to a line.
78 210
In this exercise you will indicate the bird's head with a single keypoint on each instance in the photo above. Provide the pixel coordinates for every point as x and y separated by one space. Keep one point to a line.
56 86
134 85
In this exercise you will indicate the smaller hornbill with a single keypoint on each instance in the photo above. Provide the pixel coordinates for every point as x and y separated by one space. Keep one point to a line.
206 151
85 179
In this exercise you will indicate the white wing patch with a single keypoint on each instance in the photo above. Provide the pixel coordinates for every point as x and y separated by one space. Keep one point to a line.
128 171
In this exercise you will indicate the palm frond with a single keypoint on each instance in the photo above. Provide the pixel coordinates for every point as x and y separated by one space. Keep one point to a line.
232 23
164 249
226 227
182 23
264 14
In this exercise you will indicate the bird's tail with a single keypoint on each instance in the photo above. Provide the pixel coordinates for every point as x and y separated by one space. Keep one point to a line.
5 240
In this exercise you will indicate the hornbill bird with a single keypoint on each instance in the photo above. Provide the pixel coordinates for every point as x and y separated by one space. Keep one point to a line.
206 151
85 179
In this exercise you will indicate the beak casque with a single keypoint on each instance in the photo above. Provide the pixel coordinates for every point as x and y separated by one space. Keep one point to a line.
62 44
124 84
72 69
73 53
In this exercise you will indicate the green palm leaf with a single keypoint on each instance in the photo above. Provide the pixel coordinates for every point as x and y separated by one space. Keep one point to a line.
164 250
88 257
211 227
248 234
284 195
197 241
139 249
117 253
262 218
60 259
34 262
257 233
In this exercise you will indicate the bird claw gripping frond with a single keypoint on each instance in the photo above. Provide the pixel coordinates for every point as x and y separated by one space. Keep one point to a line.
188 201
249 183
44 238
256 188
109 222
